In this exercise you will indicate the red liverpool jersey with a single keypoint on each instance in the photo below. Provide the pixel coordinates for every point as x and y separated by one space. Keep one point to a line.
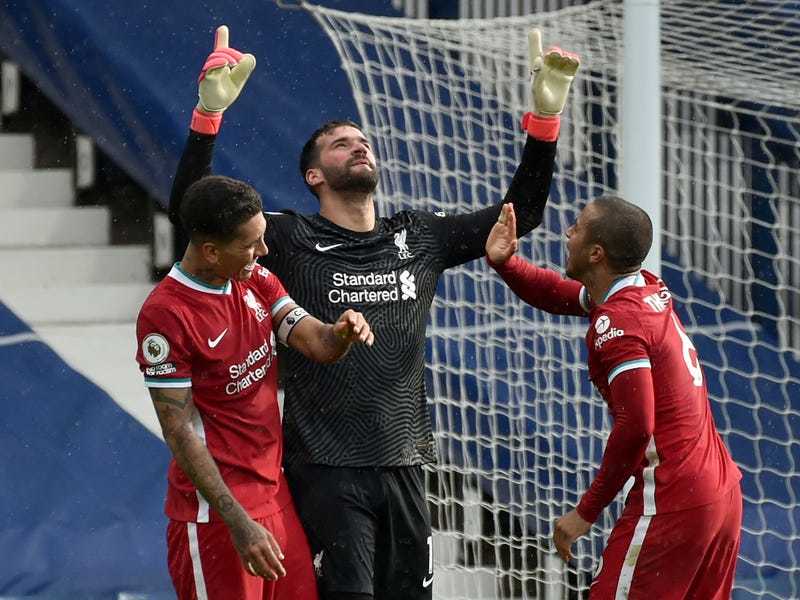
686 463
220 342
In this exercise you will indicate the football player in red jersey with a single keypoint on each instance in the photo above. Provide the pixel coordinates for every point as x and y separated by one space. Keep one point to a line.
207 348
678 536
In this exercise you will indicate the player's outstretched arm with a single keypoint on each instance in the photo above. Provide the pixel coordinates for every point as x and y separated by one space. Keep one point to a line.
220 82
256 546
323 342
542 288
552 73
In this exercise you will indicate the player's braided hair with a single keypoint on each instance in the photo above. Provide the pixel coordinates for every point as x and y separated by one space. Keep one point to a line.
623 230
213 207
309 156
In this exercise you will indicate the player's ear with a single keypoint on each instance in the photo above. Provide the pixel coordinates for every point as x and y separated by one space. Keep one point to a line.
314 177
210 252
597 254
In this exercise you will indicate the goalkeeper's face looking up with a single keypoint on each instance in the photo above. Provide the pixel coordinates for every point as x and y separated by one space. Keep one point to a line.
338 160
610 237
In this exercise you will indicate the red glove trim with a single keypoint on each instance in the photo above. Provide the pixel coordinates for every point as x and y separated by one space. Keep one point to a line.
203 122
220 58
542 128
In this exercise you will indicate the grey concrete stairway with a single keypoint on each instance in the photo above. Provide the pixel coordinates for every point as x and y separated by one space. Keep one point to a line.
59 273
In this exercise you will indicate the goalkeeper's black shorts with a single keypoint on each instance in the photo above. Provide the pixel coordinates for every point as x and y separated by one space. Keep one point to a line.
369 529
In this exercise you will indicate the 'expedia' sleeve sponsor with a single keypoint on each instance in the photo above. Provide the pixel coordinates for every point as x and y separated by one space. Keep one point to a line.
163 348
617 343
463 237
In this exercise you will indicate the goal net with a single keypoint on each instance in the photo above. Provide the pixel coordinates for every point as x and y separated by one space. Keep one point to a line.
520 431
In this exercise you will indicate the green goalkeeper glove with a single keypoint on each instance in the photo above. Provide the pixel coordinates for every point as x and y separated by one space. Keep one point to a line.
221 80
551 76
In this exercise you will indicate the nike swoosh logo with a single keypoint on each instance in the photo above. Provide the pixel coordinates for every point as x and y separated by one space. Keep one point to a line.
213 343
326 248
427 581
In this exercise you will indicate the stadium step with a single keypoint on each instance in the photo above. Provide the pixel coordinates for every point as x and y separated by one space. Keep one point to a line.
59 273
104 353
117 303
16 151
25 188
74 265
26 227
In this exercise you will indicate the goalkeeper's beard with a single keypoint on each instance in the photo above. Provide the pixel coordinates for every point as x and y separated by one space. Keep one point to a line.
346 180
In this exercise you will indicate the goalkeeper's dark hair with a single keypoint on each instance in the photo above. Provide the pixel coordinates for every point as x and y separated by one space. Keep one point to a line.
309 156
214 207
623 230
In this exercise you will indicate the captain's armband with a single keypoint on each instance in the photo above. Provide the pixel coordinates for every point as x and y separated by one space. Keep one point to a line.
289 321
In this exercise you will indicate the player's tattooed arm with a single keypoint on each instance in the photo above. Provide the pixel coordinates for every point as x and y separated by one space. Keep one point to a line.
175 410
256 546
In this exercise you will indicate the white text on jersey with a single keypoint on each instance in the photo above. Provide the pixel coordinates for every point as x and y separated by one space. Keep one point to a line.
658 301
243 373
608 335
390 292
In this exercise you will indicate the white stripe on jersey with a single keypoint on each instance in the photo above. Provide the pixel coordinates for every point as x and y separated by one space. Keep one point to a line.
183 277
631 556
280 303
636 279
649 476
200 431
167 383
197 567
628 365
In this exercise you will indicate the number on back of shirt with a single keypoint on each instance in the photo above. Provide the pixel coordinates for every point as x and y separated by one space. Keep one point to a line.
689 354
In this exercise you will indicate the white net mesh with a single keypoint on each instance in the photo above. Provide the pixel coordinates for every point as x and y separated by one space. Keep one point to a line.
519 429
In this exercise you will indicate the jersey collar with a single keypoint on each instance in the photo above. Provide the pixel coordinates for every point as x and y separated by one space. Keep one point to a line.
183 277
632 280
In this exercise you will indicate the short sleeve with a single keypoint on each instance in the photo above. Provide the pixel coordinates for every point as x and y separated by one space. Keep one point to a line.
619 343
163 348
271 289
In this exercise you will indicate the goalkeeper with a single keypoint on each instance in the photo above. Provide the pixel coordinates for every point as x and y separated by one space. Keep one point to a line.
358 433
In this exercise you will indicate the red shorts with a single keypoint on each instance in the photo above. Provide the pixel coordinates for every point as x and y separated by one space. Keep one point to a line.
204 565
689 554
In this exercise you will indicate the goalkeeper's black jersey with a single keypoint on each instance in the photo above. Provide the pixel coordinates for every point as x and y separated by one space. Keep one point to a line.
370 409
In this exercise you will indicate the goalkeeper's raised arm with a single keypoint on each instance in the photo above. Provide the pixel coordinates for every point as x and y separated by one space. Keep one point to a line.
552 73
221 80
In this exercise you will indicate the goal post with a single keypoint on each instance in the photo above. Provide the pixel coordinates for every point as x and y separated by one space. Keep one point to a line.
519 429
641 120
